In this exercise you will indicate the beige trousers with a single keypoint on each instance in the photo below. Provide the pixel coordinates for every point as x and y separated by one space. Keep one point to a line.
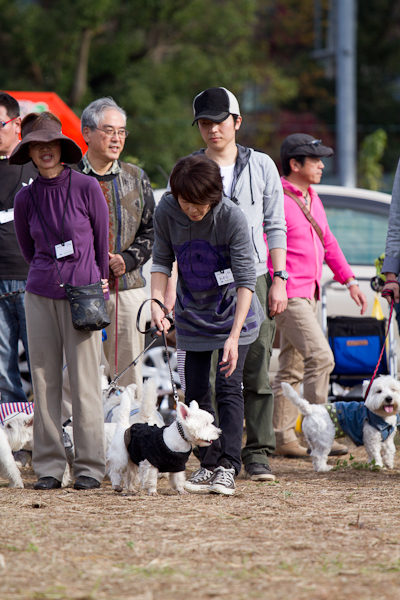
305 356
50 330
130 341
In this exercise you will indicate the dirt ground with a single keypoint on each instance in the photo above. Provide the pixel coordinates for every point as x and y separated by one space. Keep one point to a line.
308 536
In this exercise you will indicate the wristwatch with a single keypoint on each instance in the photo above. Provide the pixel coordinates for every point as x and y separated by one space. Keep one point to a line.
282 274
351 282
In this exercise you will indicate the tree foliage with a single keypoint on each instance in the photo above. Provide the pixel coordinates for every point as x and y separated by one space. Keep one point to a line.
372 149
153 57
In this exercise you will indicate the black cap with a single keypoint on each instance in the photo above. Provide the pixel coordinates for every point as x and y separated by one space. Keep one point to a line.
301 144
215 104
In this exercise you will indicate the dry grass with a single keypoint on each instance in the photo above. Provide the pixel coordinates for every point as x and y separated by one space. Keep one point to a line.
308 536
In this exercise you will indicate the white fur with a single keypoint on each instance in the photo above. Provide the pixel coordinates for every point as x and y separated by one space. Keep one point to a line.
15 434
112 399
198 430
383 399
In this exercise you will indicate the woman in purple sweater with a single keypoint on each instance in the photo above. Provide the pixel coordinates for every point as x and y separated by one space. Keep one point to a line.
62 216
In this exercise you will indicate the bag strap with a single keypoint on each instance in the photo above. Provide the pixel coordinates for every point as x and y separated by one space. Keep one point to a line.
307 214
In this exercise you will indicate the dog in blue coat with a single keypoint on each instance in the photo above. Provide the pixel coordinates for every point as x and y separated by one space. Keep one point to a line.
372 423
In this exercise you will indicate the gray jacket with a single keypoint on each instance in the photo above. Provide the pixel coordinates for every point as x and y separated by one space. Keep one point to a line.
205 311
391 264
257 190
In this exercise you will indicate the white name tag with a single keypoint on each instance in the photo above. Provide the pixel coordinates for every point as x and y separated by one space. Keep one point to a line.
224 277
64 249
6 216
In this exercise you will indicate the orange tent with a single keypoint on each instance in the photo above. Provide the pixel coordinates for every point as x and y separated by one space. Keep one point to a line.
40 101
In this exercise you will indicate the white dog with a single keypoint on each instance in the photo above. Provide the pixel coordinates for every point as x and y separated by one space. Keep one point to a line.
139 452
112 400
372 423
15 434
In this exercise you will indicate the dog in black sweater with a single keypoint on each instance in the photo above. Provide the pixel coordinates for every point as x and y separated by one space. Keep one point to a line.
139 452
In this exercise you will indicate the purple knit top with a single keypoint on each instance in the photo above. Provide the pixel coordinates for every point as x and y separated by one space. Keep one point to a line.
85 223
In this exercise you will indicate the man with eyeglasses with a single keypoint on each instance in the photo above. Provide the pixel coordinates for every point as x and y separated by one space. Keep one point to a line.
130 200
305 353
13 268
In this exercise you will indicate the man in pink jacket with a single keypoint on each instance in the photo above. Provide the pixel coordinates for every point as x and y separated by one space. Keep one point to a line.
305 353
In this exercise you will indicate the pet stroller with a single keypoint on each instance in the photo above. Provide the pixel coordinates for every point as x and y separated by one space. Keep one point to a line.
356 343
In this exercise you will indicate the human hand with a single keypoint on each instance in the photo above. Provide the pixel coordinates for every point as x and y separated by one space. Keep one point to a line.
359 297
159 319
230 356
104 285
277 297
393 285
117 264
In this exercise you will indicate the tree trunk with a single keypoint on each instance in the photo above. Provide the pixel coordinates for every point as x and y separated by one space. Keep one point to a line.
80 82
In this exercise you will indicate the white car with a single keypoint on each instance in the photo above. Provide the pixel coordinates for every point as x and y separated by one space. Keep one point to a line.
358 218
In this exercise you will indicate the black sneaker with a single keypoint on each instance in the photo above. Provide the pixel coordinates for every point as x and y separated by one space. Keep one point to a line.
259 472
223 481
199 481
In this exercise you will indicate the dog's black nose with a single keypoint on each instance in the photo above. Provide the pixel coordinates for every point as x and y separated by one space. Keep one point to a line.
388 399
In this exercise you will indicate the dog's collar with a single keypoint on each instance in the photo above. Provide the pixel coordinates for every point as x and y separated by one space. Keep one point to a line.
181 432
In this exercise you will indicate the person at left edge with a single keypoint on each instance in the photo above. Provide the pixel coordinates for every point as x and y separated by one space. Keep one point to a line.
62 216
13 268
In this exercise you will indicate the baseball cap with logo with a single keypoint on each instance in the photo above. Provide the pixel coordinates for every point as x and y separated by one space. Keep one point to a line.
215 104
301 144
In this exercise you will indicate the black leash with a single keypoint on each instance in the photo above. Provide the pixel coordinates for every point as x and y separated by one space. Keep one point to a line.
153 332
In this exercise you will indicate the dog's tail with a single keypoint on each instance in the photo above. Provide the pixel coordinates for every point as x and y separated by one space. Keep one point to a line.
303 405
148 406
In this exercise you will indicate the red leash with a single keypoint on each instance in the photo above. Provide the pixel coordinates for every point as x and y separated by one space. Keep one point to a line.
384 294
116 326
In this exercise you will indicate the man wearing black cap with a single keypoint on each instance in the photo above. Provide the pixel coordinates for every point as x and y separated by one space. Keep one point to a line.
305 353
251 181
13 268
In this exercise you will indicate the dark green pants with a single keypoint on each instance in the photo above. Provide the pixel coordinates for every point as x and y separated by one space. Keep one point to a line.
258 396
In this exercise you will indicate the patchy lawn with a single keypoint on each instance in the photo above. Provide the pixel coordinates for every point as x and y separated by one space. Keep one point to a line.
308 536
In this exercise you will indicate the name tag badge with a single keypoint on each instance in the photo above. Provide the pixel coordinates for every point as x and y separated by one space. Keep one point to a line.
64 249
6 216
224 277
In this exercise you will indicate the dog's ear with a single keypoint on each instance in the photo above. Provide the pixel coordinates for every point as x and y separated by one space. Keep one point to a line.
365 384
29 423
194 405
182 410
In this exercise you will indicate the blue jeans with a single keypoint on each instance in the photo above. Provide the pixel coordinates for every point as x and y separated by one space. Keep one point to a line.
12 328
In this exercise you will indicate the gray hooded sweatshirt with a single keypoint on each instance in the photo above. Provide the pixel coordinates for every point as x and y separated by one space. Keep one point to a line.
257 190
205 311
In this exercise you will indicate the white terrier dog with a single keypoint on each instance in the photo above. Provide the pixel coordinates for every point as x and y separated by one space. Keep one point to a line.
139 452
372 424
15 434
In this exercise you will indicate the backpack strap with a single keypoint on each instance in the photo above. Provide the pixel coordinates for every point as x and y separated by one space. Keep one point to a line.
307 214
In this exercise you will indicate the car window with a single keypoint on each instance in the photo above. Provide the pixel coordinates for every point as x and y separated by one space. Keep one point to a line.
361 235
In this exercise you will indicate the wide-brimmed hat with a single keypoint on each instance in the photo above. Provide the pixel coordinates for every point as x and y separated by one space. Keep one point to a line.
301 144
215 104
36 129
